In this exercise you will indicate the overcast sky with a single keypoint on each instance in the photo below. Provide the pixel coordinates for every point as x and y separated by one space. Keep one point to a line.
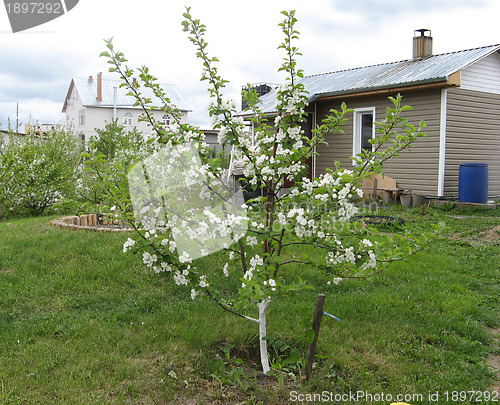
37 65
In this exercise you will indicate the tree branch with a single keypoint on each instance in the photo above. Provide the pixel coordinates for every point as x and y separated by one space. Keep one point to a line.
226 308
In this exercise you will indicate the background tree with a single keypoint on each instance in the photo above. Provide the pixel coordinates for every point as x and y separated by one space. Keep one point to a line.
104 165
114 140
37 171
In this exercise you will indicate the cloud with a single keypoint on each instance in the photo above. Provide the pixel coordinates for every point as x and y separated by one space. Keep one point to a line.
395 8
35 65
36 79
47 113
334 34
18 89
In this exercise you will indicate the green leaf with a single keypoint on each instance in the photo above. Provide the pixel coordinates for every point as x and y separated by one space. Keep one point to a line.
309 335
294 357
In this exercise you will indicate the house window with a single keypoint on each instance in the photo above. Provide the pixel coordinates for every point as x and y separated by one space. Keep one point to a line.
81 118
128 120
166 120
364 130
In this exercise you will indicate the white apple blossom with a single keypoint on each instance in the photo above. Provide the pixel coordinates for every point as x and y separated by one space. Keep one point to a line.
256 261
366 242
149 259
252 240
128 244
349 255
225 271
203 281
372 261
180 278
184 258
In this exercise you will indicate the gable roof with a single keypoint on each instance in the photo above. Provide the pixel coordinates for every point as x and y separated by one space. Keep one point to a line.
87 91
433 70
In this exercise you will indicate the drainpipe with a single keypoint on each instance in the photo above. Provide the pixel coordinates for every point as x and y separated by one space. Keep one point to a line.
442 142
115 89
314 155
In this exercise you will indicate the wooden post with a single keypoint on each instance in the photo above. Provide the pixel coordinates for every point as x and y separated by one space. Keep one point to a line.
83 220
374 195
320 301
387 196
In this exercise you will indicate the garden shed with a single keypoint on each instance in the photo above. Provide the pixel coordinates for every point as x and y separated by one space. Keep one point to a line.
457 94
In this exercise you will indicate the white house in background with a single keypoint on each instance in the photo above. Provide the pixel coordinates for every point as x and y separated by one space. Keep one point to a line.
39 129
92 104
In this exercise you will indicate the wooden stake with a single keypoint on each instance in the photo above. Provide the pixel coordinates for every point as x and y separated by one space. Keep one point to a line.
83 220
374 196
318 314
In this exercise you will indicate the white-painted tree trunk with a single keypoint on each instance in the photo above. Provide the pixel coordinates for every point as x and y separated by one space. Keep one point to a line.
264 358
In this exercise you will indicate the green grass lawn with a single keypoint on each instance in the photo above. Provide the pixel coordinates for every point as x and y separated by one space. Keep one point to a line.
83 323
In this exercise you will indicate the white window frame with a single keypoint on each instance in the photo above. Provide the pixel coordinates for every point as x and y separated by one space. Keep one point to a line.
356 142
81 118
128 120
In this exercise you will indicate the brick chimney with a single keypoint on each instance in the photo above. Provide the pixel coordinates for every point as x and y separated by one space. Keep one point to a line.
99 87
422 44
91 79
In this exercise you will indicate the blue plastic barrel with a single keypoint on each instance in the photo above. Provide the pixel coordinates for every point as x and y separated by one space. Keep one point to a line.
473 183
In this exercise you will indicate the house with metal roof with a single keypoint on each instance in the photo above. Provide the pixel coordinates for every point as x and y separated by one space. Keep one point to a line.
92 104
457 94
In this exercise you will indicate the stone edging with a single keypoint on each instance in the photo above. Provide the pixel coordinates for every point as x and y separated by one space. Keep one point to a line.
87 223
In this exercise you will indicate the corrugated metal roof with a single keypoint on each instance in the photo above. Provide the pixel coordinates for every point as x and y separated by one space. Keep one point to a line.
88 93
435 68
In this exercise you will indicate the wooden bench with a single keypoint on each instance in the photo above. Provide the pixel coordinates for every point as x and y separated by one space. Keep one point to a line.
380 186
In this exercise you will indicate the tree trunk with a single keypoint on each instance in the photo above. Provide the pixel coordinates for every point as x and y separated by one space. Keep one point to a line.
263 306
264 358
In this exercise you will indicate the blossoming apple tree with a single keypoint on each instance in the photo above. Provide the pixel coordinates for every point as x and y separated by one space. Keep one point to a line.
185 208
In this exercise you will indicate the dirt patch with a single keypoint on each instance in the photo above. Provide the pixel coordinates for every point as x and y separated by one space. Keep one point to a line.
494 360
7 271
492 234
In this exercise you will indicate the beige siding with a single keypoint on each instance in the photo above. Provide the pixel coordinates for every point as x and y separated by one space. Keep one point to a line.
472 136
415 170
